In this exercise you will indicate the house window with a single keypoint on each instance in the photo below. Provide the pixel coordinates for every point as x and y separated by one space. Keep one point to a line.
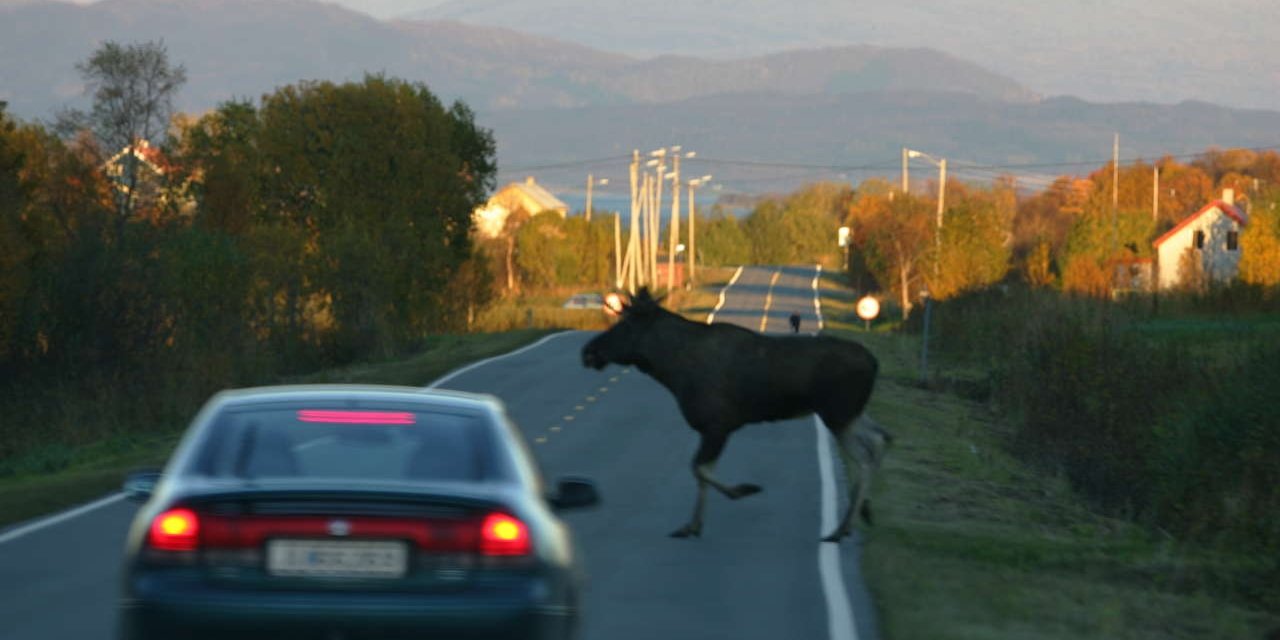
1199 239
1233 240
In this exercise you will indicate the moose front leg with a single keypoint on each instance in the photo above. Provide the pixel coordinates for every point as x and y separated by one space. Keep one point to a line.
704 461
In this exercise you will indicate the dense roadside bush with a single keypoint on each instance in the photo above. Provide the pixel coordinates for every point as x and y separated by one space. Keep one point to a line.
1161 412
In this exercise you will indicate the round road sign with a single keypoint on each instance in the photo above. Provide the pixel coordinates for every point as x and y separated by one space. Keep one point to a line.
868 308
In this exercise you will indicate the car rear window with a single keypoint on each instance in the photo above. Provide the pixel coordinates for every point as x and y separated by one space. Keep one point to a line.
332 442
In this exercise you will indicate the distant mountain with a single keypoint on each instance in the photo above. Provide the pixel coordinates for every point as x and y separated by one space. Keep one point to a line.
756 143
245 48
760 123
1108 50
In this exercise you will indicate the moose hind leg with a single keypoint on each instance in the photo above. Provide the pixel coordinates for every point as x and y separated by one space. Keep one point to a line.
861 446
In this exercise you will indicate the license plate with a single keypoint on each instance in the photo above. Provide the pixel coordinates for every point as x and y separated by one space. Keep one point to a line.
337 558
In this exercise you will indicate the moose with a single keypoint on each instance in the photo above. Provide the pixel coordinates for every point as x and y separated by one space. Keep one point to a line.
724 377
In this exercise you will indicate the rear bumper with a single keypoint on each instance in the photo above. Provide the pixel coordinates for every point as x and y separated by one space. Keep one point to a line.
197 611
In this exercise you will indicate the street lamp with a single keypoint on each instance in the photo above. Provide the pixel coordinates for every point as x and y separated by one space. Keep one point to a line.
673 232
941 163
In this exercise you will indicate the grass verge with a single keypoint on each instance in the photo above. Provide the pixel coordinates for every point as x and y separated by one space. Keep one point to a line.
94 470
970 542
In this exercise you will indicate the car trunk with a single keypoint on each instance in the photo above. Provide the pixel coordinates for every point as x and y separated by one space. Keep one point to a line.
342 540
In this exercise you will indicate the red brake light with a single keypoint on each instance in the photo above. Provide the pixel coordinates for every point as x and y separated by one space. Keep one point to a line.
174 530
356 417
504 535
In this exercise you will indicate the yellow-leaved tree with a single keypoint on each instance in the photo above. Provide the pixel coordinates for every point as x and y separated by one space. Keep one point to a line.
1260 248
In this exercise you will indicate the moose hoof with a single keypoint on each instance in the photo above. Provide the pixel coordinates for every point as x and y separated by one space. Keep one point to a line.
687 531
744 490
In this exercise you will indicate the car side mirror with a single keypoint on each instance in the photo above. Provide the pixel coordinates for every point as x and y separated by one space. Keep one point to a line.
140 484
575 493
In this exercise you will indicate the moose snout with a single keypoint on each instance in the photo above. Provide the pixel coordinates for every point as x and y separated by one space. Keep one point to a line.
592 359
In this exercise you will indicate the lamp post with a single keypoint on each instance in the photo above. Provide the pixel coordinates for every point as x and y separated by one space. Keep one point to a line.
673 231
591 181
942 194
693 216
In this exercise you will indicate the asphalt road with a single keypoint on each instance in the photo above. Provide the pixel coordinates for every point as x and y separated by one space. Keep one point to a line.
758 571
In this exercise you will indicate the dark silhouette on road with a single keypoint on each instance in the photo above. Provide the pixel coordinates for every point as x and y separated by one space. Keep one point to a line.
725 376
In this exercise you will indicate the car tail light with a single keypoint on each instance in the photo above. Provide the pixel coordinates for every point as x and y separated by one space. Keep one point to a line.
504 535
175 530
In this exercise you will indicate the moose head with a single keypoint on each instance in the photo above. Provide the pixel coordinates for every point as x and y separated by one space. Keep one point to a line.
624 343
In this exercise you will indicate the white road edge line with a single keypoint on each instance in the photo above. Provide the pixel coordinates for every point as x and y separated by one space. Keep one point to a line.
711 317
817 300
840 624
480 363
18 532
14 534
839 615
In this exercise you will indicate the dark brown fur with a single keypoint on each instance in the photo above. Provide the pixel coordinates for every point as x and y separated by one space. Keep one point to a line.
724 377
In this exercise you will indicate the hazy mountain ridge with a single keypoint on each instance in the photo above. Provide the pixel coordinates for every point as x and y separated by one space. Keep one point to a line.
1109 50
259 46
550 101
856 136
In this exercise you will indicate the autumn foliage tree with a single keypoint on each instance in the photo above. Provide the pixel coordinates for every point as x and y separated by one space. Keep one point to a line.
894 236
1260 245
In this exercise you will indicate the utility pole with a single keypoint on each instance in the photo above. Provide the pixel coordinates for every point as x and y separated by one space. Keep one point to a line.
673 233
655 215
942 205
1155 192
1115 199
635 223
590 180
905 184
942 191
617 250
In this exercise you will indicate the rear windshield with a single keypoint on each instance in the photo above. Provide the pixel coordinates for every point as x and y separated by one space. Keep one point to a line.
366 444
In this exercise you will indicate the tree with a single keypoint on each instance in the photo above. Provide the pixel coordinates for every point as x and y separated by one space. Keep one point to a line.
380 179
133 87
1038 266
895 234
1260 248
721 241
13 243
542 251
976 244
223 147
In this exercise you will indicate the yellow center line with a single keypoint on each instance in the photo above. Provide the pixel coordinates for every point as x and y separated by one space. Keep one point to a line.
768 300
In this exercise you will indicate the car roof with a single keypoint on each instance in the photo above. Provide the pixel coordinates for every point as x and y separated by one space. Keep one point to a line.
313 392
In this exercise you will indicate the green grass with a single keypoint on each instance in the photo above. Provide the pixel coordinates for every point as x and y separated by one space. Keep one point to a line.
971 542
55 477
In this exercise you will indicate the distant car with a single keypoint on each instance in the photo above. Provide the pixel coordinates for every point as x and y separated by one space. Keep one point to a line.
585 301
335 511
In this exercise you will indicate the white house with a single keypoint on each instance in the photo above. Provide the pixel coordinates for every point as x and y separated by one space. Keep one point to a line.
1206 242
528 196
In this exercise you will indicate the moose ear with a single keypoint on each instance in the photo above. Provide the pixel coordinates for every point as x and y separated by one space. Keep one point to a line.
614 304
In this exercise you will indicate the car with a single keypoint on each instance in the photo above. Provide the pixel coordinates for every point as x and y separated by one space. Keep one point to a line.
585 301
351 511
